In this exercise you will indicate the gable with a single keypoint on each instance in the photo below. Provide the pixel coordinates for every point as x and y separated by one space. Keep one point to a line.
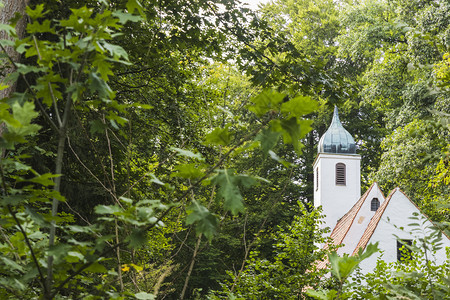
354 216
362 219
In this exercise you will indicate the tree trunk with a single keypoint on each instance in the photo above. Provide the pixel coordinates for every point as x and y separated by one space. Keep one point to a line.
8 11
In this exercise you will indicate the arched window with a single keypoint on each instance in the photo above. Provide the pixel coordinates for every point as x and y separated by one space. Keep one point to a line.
340 174
374 204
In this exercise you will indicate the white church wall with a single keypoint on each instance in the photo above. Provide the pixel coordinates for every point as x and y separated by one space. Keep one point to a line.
395 217
336 200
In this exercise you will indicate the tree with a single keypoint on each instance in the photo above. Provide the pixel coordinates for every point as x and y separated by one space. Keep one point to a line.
290 270
395 55
61 82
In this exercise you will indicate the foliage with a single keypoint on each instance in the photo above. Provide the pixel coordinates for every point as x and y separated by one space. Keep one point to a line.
402 75
411 156
290 269
341 269
69 63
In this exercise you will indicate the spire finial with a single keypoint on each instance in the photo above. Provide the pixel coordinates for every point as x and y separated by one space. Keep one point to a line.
336 119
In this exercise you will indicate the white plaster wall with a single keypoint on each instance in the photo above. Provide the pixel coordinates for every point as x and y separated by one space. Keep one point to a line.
397 213
361 221
336 200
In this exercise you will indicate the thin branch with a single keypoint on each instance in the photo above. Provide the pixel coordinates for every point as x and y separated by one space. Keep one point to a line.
52 94
27 241
88 138
147 174
191 266
116 224
247 248
134 71
90 172
84 267
8 241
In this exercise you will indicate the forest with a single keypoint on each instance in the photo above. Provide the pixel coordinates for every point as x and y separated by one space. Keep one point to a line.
164 149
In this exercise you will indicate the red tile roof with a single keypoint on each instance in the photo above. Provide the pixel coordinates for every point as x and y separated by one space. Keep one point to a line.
345 223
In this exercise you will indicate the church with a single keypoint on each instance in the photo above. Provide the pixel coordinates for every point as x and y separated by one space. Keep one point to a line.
355 220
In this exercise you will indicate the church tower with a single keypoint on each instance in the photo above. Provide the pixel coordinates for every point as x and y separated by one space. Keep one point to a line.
337 174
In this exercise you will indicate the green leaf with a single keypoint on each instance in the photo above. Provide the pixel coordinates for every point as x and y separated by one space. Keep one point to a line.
44 179
12 265
78 229
103 67
9 29
292 130
24 113
299 106
126 201
137 238
37 27
187 153
37 217
342 267
206 223
97 126
100 86
96 267
36 13
115 51
12 200
107 209
370 250
268 100
125 17
322 295
59 251
219 136
6 116
268 140
74 256
229 189
188 171
154 179
133 5
25 69
275 157
19 126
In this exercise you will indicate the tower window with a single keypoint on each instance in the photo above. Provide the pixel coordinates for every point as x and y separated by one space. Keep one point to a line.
403 252
340 174
374 204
